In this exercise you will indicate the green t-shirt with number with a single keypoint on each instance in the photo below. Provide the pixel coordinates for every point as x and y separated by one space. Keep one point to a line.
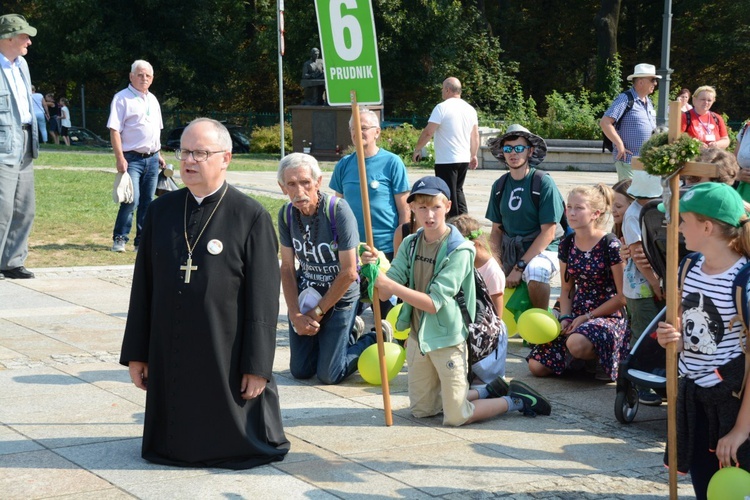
515 211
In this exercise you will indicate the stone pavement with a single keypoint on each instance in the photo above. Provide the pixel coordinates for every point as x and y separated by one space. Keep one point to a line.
72 421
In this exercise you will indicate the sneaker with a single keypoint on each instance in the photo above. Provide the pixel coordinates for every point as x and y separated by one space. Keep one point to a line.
118 245
497 388
387 331
359 327
533 403
648 397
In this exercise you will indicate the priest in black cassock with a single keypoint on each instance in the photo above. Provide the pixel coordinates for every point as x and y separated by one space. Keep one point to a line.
201 330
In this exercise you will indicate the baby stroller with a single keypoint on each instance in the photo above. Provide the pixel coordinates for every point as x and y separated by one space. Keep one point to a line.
645 366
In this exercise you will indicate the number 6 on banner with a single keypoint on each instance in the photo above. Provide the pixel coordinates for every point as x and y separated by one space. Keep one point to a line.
350 51
340 24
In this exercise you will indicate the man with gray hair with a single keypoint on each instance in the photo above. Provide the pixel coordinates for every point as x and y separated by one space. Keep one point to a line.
201 332
320 232
20 145
455 125
134 129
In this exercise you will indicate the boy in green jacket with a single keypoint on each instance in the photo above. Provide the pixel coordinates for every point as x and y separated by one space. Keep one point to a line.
430 268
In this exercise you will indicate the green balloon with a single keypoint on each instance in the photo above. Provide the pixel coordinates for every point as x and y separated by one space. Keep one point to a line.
729 483
369 366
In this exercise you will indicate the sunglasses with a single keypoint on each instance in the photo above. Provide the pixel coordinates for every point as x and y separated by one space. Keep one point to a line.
517 148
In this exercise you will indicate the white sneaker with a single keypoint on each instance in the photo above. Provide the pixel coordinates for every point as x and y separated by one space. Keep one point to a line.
359 327
119 244
387 331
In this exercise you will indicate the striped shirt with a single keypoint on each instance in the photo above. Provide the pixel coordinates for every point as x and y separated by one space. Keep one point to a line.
707 310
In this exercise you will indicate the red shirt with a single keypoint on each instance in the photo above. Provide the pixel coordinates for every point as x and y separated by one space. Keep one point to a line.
702 126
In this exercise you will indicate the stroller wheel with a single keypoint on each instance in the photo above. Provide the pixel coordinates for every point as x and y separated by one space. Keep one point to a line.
626 405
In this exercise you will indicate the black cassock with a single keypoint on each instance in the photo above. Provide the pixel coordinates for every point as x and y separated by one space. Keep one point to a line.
200 337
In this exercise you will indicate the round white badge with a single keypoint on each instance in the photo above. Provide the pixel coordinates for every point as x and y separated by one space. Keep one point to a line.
215 247
375 184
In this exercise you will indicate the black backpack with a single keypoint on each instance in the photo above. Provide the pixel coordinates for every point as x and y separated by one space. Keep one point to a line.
606 141
536 194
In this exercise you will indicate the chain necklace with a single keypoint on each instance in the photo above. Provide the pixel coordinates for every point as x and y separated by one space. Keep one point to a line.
189 267
306 235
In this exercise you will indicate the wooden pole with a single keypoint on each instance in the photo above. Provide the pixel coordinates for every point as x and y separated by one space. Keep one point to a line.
673 305
357 127
671 289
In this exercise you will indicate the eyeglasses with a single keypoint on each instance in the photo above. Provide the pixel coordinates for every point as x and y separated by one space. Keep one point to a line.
198 155
517 148
365 128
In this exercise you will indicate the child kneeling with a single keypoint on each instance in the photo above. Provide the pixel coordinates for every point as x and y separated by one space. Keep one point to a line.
430 269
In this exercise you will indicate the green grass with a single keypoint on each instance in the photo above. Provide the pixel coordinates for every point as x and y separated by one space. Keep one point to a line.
75 215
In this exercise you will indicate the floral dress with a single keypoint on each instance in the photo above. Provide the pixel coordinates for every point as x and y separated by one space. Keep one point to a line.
591 273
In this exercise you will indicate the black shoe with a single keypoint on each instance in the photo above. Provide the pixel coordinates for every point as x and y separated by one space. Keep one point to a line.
2 276
18 273
533 403
649 397
497 388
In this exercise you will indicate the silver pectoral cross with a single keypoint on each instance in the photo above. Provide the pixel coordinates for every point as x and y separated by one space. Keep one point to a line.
188 268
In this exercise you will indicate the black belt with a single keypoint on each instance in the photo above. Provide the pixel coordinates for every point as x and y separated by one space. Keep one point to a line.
26 126
142 155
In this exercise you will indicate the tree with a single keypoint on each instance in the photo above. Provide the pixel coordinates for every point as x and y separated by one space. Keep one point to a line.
606 24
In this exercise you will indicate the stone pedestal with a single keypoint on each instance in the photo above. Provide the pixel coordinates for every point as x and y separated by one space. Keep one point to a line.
323 129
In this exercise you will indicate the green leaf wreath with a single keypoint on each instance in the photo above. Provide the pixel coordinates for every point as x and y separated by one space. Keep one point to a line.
661 158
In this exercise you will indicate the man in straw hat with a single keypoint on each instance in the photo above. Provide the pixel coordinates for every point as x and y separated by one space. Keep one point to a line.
525 207
630 120
19 148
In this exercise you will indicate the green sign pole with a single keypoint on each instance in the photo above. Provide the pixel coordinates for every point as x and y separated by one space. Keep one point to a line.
352 74
350 51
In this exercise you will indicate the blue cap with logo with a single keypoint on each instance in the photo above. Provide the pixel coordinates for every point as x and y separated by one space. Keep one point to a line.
431 186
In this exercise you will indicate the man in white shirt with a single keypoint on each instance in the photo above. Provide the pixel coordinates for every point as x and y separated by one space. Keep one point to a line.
134 129
455 126
19 145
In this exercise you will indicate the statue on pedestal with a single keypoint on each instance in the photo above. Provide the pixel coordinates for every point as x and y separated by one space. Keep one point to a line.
313 80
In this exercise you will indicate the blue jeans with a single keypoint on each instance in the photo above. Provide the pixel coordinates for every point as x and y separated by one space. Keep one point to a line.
331 354
143 172
41 121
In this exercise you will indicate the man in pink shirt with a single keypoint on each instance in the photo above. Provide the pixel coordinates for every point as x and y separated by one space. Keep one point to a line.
134 129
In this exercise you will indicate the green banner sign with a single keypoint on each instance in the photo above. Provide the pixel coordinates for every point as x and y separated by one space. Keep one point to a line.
350 51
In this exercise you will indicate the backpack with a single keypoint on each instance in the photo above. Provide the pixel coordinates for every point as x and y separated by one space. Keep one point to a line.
331 213
536 194
485 329
653 224
739 297
606 141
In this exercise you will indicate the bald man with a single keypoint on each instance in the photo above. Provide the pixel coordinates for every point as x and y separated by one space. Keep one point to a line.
455 126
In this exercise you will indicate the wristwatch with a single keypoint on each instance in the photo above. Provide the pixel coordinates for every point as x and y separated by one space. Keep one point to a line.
521 264
318 311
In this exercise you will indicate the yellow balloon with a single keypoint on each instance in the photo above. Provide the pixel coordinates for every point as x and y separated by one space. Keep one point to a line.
392 317
369 366
538 326
508 318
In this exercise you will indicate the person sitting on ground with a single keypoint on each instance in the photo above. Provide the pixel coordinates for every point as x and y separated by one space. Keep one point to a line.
591 302
702 123
427 279
526 228
494 279
321 295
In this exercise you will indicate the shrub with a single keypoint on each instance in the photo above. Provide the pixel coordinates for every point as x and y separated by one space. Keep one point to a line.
267 139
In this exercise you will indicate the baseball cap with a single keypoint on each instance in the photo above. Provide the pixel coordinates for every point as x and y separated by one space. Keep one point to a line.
15 24
715 200
431 186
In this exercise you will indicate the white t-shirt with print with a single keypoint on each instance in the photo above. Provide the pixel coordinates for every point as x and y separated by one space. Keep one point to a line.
707 310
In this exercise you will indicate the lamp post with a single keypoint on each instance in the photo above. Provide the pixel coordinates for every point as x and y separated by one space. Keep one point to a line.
665 71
